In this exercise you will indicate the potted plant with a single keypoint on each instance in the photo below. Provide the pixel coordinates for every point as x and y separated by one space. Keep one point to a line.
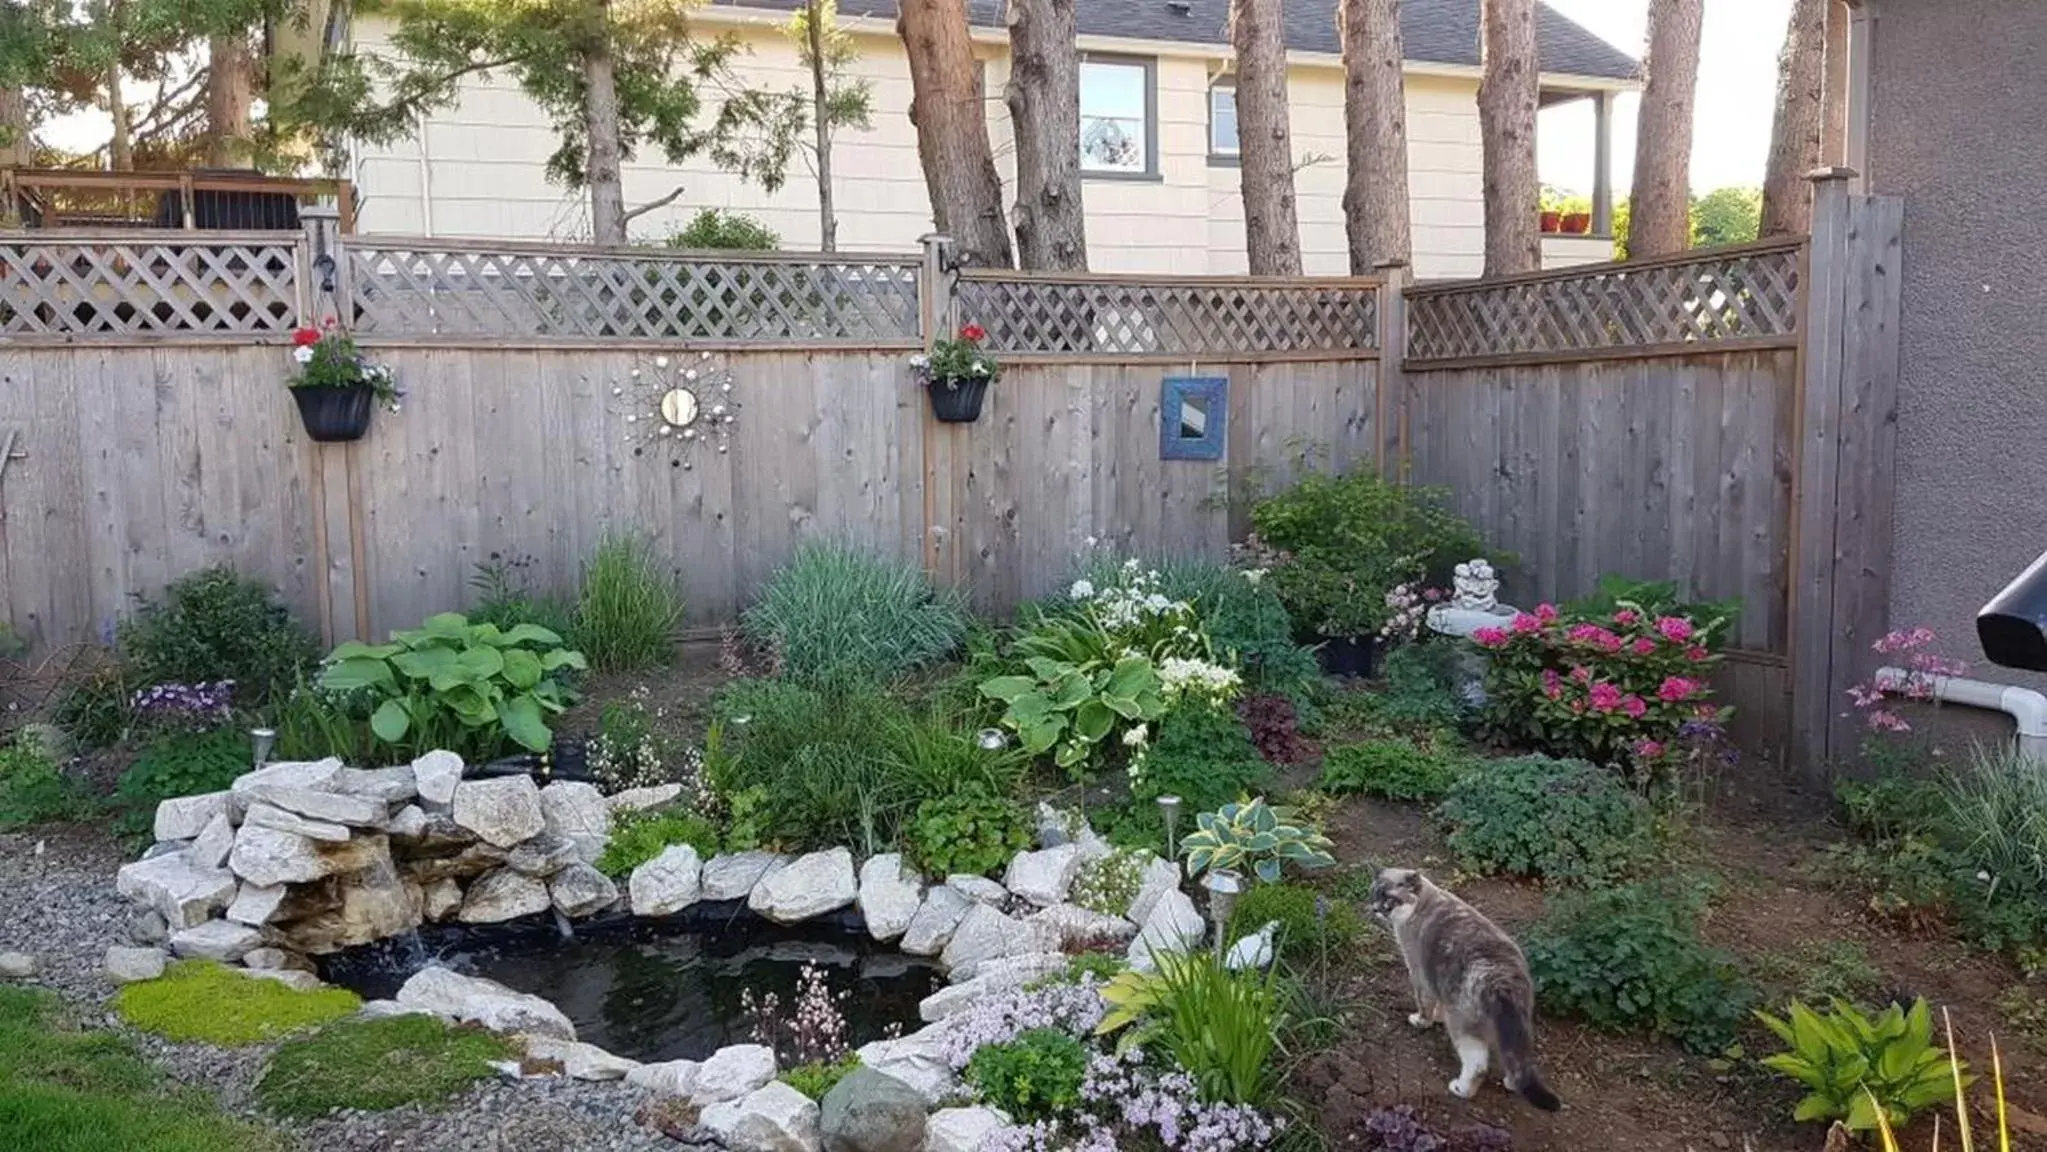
1577 223
1552 221
336 385
957 373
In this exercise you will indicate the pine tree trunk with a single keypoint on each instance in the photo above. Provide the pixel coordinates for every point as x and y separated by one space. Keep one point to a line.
1265 150
952 131
1044 108
229 84
1795 137
600 130
820 115
1508 90
1834 117
1660 207
1375 192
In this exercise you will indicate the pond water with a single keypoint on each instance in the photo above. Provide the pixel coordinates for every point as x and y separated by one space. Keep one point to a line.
668 989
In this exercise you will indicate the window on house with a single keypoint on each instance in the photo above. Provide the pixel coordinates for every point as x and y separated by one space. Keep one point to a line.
1222 120
1116 115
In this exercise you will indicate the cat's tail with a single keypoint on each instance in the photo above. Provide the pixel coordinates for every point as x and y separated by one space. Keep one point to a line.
1517 1053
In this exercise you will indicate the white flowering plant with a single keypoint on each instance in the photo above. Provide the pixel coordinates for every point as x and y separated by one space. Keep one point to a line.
1069 709
328 358
957 360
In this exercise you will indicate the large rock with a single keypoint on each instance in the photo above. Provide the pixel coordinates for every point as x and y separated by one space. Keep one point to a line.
732 1072
640 799
668 883
669 1078
932 927
210 848
436 775
1005 975
870 1111
316 804
350 908
133 965
276 960
918 1060
439 900
774 1118
810 886
265 856
1044 877
384 785
889 896
503 895
222 940
256 905
183 895
979 889
542 856
580 890
474 1000
409 823
986 935
1174 927
962 1129
579 1061
733 875
1160 877
502 812
262 815
17 966
467 864
575 812
184 817
1078 928
317 775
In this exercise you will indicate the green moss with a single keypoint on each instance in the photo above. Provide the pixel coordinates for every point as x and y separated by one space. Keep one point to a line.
199 1000
377 1064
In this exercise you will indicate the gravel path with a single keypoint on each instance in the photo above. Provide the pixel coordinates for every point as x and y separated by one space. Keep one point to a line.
57 904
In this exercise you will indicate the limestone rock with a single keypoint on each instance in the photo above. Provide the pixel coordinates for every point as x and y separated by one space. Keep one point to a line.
1079 927
979 889
184 817
222 940
289 977
435 775
17 966
637 799
542 856
1173 927
133 965
466 864
575 812
503 895
732 876
580 890
262 815
350 908
484 1002
1044 877
409 823
147 928
1005 975
668 883
210 848
870 1111
165 848
732 1072
439 900
314 804
984 935
502 811
257 905
183 895
265 856
579 1061
1160 877
889 896
962 1129
774 1118
812 885
317 775
669 1078
276 960
932 927
918 1060
384 785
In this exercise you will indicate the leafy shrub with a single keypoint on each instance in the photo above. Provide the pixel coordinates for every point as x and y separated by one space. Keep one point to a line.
204 1002
967 831
33 790
1908 878
836 613
1715 618
1419 691
629 607
179 764
372 1065
1204 756
637 837
1107 884
719 229
1275 728
1555 819
506 598
1616 690
1242 617
1034 1077
1070 709
1255 836
465 687
1311 925
1855 1067
215 625
1630 958
1394 769
820 1077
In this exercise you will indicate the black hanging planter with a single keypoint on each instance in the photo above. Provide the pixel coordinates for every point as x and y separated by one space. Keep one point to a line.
334 415
958 401
1356 657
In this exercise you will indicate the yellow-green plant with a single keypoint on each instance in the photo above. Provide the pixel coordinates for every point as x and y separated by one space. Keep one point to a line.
1255 834
1954 1067
1864 1071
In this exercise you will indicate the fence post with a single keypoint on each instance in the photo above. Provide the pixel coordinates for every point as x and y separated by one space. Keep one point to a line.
937 303
1390 415
1847 434
937 300
337 536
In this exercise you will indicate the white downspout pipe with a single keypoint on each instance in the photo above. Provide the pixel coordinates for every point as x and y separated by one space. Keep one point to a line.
2026 707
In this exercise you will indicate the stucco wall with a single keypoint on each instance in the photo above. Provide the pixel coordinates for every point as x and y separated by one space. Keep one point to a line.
1958 127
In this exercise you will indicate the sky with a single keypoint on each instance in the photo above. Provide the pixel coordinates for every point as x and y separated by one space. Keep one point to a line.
1733 106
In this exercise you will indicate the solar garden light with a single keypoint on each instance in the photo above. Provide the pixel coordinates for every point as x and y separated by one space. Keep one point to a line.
1169 807
261 741
992 739
1223 886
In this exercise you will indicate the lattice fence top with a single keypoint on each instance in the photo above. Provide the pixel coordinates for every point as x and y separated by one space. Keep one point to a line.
1742 293
74 284
1223 317
411 288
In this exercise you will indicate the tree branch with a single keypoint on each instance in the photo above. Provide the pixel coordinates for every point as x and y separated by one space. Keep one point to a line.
650 205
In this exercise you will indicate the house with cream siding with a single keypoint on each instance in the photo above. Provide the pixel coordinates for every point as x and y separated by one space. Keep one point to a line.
1158 127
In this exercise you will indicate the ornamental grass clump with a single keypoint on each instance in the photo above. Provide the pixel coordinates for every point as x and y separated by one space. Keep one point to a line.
835 614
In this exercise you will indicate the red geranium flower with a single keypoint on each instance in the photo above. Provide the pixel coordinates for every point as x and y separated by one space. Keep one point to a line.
974 332
305 337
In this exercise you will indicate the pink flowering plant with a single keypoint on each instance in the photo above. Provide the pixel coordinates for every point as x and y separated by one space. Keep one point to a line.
1908 649
1623 687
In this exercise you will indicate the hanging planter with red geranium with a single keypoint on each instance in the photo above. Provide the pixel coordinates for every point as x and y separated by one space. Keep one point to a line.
336 385
957 373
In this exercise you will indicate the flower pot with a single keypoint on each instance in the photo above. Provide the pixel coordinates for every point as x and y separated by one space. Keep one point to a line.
1578 223
1356 657
1552 221
958 401
334 415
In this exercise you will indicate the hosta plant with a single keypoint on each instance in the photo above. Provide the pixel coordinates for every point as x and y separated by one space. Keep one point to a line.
1857 1068
1254 836
1068 709
453 684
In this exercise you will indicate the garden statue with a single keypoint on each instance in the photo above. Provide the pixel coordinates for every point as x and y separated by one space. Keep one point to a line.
1476 587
